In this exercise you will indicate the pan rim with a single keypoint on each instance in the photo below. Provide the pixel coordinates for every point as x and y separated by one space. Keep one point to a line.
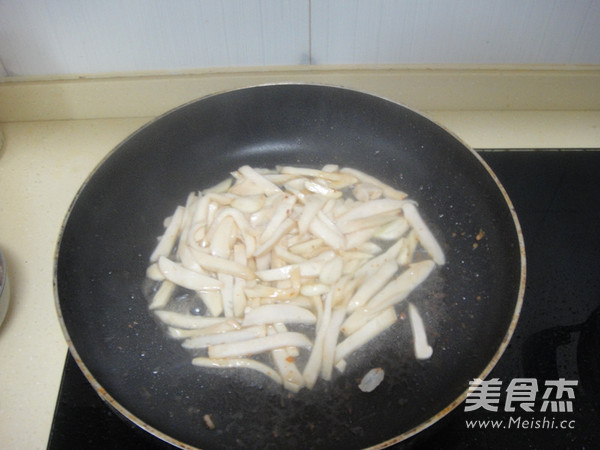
401 437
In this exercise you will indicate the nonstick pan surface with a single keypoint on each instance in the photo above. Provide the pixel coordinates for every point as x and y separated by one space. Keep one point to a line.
470 305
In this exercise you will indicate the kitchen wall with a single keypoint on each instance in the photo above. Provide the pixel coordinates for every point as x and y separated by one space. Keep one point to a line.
65 37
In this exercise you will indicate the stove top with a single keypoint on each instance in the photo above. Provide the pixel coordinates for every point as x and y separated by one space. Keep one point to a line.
545 390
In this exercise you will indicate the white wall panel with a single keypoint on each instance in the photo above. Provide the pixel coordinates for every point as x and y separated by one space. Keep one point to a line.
70 36
455 31
43 37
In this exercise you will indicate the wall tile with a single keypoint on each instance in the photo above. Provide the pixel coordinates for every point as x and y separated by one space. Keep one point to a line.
455 31
45 37
59 36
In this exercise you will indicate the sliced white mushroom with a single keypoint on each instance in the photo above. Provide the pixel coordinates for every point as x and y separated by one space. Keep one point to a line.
369 247
408 247
272 240
322 189
358 238
222 240
302 171
351 265
393 230
222 265
261 262
283 313
154 273
249 204
186 257
279 179
312 369
324 229
373 285
185 228
227 293
312 289
341 365
242 223
350 255
270 294
281 328
332 270
329 172
373 222
267 186
344 289
310 268
286 366
220 187
162 295
219 327
371 380
367 191
330 168
239 284
188 321
369 268
388 191
213 300
394 292
259 345
370 209
187 278
422 348
360 337
307 248
424 233
200 212
290 258
168 239
281 213
342 206
288 246
330 342
399 288
288 370
312 206
222 338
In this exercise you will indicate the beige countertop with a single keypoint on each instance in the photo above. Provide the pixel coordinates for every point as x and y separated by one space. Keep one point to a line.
56 131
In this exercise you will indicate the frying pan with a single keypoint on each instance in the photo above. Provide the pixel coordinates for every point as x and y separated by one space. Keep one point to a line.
470 305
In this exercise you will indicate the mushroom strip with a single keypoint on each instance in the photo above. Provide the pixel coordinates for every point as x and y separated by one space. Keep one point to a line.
283 313
425 235
259 345
422 349
284 360
394 292
289 271
222 338
169 238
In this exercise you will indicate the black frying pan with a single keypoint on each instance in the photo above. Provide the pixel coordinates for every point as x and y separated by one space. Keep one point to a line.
470 305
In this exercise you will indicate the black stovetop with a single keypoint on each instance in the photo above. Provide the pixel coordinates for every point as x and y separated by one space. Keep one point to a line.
557 198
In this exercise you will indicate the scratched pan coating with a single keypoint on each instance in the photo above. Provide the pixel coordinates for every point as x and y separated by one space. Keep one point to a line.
470 305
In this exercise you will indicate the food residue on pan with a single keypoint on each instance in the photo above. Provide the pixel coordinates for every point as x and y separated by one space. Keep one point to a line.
480 235
208 421
289 271
371 380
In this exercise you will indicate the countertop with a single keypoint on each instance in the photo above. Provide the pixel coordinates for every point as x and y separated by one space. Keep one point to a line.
56 131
